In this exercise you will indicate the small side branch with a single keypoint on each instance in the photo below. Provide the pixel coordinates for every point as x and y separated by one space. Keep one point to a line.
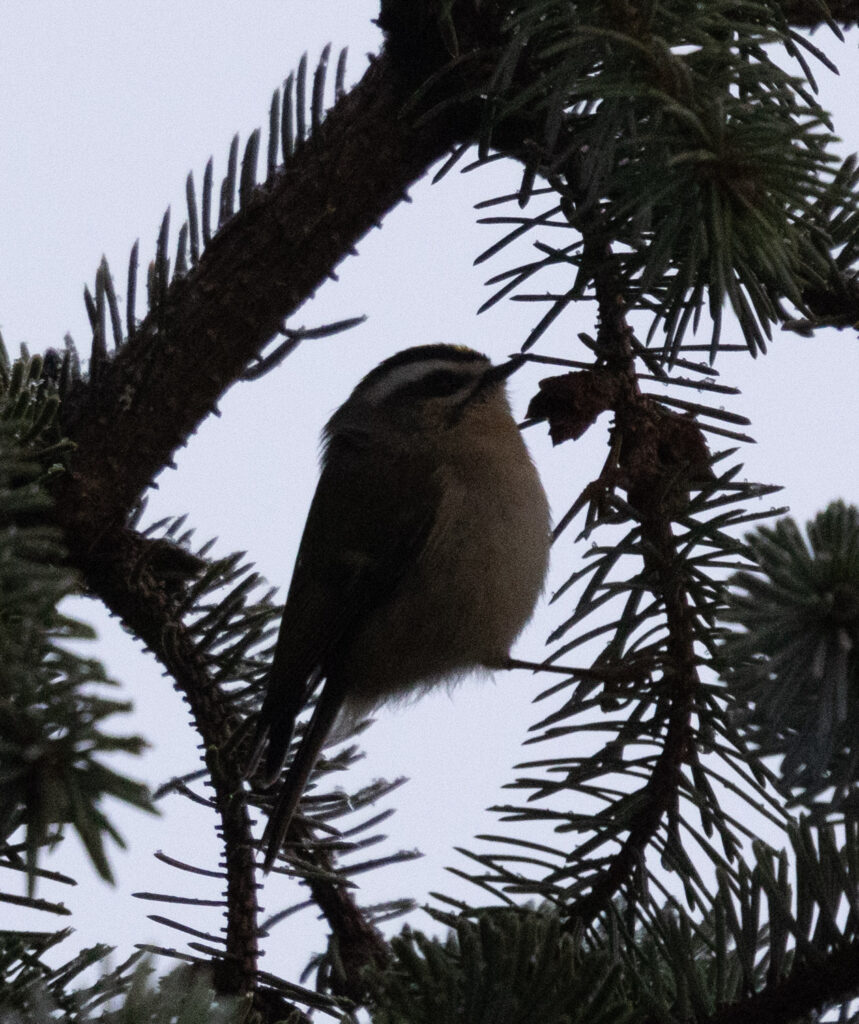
652 497
116 568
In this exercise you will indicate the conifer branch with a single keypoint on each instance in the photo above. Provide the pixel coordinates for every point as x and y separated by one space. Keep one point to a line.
123 577
649 493
260 267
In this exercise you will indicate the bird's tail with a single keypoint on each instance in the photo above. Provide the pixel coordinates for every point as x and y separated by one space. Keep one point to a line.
270 744
324 715
275 726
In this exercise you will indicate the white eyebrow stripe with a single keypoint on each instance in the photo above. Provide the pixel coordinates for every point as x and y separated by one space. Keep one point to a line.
408 373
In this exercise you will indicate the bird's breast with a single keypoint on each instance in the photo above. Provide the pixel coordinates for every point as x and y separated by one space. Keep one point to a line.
473 586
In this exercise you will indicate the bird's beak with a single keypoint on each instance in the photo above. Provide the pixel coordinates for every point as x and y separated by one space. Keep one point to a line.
498 374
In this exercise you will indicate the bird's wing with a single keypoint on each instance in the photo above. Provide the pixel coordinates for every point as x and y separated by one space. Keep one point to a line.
361 538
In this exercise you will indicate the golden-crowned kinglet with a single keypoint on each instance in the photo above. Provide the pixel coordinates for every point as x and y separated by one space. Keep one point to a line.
424 552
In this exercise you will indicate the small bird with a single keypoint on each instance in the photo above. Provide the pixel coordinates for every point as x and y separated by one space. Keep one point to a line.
424 552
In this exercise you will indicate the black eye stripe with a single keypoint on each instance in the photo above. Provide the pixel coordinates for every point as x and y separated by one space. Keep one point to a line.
437 384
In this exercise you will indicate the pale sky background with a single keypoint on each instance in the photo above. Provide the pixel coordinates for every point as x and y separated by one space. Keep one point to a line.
104 108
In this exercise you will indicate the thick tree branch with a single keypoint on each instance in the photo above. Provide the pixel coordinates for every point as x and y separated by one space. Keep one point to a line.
258 270
808 987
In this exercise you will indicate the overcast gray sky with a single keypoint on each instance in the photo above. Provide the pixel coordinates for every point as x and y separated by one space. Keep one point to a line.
105 107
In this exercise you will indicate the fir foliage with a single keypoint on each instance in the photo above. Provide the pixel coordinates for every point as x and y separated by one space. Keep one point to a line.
52 704
795 663
507 967
34 992
638 107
